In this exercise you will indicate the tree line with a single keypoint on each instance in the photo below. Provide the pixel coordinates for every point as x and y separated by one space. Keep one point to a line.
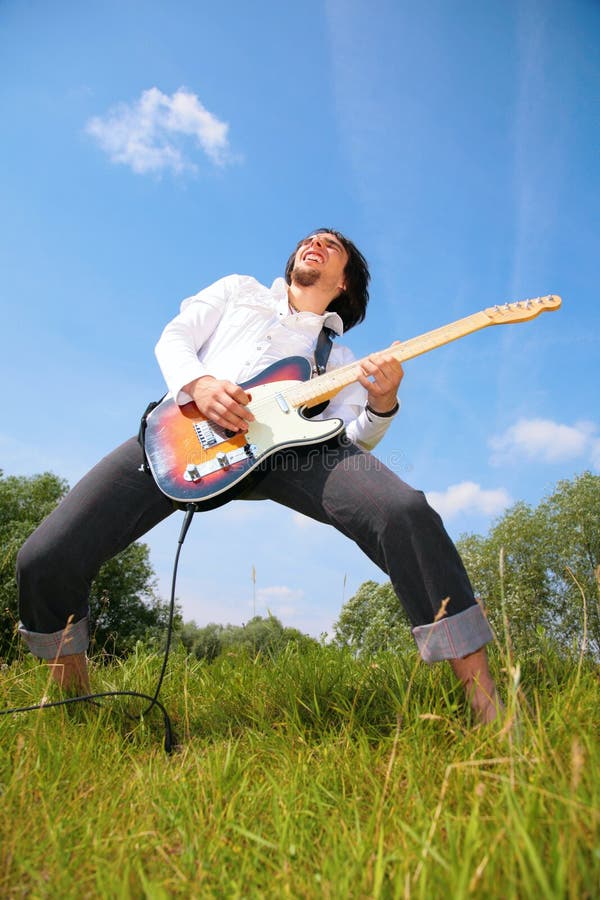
537 573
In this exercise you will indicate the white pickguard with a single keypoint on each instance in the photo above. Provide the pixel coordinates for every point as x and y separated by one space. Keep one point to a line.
274 428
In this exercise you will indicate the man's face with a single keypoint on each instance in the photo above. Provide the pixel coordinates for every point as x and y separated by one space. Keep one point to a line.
321 258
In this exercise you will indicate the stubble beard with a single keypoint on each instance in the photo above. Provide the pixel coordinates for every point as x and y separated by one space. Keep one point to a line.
304 276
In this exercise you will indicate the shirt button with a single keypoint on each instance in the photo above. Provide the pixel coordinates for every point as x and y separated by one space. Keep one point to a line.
269 337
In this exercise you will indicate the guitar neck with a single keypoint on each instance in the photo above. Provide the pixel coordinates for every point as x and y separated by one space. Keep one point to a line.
326 386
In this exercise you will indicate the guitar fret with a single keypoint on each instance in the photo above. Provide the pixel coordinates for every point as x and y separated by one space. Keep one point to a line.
326 386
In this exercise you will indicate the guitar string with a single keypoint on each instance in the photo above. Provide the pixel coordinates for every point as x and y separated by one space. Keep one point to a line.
424 343
303 388
336 375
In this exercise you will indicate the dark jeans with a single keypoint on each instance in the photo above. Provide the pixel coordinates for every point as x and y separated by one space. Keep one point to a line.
337 483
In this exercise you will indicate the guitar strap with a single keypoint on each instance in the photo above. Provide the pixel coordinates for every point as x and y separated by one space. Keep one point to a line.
142 434
322 351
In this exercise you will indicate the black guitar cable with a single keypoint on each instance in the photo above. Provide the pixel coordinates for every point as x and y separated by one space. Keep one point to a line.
154 701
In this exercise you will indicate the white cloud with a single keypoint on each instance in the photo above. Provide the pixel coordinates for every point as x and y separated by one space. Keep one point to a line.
243 511
304 522
279 592
595 453
468 497
547 441
280 600
147 134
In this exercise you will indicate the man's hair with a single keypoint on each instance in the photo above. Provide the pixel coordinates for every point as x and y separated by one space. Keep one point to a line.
351 303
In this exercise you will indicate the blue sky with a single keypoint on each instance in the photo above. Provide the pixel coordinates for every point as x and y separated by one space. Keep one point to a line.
148 148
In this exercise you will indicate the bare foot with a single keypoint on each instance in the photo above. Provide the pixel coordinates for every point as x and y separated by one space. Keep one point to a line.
473 673
486 705
71 673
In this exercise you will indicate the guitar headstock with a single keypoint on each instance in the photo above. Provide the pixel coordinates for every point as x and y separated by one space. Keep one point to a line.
522 310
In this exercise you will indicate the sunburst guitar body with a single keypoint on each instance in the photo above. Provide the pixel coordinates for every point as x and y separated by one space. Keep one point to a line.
195 461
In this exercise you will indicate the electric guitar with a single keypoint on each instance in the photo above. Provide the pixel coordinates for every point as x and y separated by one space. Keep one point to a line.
193 460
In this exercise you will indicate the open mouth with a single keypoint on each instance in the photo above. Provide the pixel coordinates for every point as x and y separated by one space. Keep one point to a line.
312 256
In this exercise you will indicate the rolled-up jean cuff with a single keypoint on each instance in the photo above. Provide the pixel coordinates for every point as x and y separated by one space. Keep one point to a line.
455 636
72 639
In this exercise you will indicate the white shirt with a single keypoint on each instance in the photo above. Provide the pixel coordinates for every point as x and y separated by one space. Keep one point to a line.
236 327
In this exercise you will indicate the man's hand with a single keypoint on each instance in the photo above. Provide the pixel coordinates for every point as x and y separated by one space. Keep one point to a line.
223 402
381 376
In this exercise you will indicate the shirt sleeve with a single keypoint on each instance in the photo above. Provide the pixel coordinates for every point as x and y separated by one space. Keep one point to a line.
363 428
178 345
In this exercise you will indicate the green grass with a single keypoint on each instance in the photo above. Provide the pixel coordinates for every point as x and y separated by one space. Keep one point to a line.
305 776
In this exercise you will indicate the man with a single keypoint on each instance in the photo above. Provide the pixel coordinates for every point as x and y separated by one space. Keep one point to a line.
222 337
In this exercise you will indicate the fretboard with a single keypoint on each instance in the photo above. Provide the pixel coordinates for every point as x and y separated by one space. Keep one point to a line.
326 386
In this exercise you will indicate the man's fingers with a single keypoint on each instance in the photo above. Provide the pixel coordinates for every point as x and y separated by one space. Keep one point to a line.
239 396
228 418
235 400
386 369
230 410
383 374
224 403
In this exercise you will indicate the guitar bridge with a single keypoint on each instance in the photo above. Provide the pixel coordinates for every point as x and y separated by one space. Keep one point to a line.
210 434
221 462
192 473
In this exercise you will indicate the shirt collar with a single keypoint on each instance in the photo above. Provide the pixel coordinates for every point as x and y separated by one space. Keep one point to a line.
332 320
